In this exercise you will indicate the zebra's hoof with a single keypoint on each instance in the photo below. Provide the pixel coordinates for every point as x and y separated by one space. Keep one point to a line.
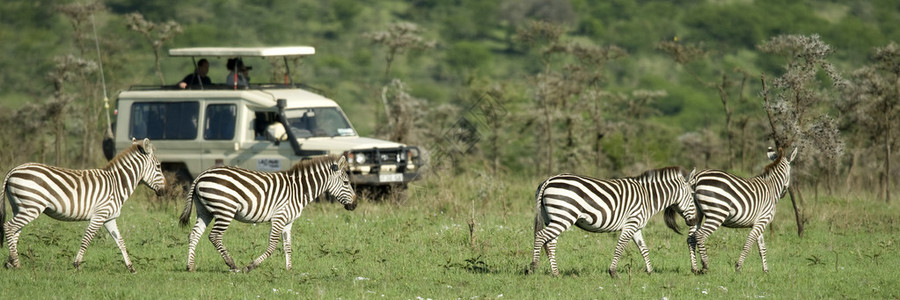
77 265
131 269
613 273
12 265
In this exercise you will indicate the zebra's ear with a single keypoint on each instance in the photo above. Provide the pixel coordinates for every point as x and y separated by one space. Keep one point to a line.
147 147
793 155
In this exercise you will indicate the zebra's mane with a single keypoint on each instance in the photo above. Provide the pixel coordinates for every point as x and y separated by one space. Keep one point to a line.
124 153
305 164
654 174
771 166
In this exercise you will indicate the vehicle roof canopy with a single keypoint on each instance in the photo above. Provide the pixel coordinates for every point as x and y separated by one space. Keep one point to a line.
244 51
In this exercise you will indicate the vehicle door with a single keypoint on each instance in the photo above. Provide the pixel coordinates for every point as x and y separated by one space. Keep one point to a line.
260 148
172 126
219 134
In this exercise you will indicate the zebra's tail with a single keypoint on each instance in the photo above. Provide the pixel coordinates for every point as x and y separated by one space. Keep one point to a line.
189 205
693 179
539 221
670 216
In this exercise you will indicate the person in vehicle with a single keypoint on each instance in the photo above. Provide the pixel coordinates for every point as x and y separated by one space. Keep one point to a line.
198 77
238 74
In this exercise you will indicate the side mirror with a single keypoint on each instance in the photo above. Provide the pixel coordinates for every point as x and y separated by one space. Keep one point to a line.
275 132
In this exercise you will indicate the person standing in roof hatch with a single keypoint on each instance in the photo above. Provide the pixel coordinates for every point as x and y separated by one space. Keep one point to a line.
238 75
198 77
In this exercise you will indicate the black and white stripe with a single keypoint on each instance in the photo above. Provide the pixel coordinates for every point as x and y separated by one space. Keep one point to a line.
223 194
95 195
723 199
606 205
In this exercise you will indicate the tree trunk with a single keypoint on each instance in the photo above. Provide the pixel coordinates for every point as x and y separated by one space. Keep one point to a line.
796 197
723 95
797 201
549 141
162 80
848 182
887 157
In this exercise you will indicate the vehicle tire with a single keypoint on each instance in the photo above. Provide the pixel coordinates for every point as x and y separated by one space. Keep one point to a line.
178 179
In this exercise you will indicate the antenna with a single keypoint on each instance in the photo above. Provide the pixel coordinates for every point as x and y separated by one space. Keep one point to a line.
109 134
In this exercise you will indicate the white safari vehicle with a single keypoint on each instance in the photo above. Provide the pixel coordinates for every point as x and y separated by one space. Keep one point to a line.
265 127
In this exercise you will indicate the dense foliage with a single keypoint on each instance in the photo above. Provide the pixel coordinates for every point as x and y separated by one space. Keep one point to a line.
533 87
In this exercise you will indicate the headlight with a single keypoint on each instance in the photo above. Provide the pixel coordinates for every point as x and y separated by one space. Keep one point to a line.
360 158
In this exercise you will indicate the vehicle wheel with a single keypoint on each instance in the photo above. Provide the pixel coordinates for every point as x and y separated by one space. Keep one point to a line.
395 193
179 181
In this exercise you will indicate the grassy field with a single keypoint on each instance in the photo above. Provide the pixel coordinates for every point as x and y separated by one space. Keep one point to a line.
422 248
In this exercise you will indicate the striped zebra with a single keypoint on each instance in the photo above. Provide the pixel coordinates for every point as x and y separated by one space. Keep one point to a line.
95 195
226 193
723 199
606 205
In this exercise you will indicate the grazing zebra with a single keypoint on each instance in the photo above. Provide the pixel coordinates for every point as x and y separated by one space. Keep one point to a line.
226 193
606 205
95 195
726 200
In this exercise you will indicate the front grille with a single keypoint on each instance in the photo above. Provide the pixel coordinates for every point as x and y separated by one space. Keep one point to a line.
386 156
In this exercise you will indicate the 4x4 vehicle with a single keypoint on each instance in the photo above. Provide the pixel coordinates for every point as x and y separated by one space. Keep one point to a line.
265 127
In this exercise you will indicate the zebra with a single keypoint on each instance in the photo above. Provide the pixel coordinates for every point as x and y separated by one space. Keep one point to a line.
225 193
723 199
606 205
95 195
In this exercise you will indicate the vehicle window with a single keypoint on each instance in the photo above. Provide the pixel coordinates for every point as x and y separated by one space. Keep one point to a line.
319 122
164 120
261 122
219 123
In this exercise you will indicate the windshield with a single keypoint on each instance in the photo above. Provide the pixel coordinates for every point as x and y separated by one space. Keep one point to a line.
318 122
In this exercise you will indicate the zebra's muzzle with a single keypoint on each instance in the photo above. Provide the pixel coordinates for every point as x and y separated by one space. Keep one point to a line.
350 206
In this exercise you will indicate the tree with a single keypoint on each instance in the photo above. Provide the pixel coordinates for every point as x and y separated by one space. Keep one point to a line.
797 108
81 17
685 54
405 122
164 32
555 89
398 38
871 108
67 68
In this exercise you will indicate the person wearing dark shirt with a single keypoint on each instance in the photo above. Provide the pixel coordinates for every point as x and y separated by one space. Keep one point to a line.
198 77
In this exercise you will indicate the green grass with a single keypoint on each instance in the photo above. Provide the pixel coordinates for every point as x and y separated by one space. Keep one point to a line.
422 247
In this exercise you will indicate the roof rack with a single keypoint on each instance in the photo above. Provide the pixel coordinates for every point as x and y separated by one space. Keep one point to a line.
284 52
244 51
